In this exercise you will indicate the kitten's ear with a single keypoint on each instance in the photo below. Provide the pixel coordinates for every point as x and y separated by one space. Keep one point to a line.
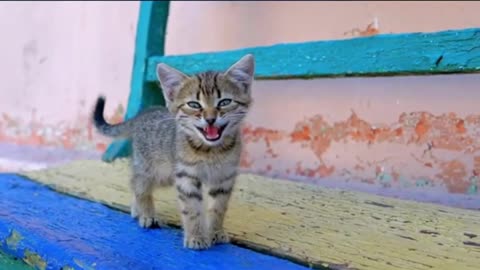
170 79
243 71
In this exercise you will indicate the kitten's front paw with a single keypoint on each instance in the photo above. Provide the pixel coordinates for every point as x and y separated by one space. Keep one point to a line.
133 211
149 222
220 237
196 242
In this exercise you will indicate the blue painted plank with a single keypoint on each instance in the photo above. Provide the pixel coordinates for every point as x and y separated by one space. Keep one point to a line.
452 51
149 40
66 231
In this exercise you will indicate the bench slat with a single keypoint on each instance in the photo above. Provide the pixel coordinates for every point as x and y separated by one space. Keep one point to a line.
453 51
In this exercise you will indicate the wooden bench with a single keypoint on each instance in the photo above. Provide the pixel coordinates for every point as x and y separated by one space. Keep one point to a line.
444 52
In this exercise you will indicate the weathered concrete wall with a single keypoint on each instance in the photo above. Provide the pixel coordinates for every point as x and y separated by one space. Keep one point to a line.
407 133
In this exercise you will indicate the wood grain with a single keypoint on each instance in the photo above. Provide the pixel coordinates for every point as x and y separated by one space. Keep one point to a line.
318 226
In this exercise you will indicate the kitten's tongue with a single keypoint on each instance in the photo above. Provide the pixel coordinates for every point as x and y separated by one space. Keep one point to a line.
211 132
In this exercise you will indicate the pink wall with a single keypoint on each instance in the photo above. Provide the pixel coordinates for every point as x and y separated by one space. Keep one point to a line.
412 137
200 26
58 58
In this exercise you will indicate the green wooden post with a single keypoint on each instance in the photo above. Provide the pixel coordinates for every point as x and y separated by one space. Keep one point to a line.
150 40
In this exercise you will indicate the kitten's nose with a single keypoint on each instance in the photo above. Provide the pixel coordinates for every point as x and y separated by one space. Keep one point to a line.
210 121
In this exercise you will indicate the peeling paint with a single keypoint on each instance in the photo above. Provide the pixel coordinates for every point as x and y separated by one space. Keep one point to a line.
78 134
13 240
432 151
8 262
34 260
370 30
423 140
83 265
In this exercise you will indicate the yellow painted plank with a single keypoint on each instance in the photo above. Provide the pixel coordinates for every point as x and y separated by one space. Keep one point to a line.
307 223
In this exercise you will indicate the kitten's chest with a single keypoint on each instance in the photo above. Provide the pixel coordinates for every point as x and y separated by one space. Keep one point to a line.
215 171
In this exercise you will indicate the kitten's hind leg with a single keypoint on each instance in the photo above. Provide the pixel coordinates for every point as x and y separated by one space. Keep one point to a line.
142 204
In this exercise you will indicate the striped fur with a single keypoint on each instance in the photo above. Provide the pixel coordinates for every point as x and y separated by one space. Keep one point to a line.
174 147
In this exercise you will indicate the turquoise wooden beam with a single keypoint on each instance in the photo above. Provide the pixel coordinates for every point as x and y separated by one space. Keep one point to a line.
453 51
150 40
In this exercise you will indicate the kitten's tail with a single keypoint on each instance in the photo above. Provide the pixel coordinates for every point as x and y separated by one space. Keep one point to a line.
118 130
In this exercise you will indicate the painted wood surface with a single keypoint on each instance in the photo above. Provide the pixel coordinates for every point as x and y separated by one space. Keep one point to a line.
150 40
322 227
10 263
453 51
54 231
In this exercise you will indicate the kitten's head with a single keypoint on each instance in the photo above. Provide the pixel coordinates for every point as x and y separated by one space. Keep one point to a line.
209 105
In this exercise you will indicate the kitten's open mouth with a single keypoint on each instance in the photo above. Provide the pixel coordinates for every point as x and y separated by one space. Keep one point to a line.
212 133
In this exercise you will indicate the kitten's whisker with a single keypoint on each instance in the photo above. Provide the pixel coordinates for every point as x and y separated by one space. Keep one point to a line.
239 113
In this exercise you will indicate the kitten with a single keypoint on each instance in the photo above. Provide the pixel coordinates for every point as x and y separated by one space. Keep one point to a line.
193 143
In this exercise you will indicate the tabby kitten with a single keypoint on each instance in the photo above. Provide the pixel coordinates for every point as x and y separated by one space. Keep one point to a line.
193 143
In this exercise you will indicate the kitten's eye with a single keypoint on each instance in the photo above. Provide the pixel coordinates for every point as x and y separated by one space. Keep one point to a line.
224 102
194 105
